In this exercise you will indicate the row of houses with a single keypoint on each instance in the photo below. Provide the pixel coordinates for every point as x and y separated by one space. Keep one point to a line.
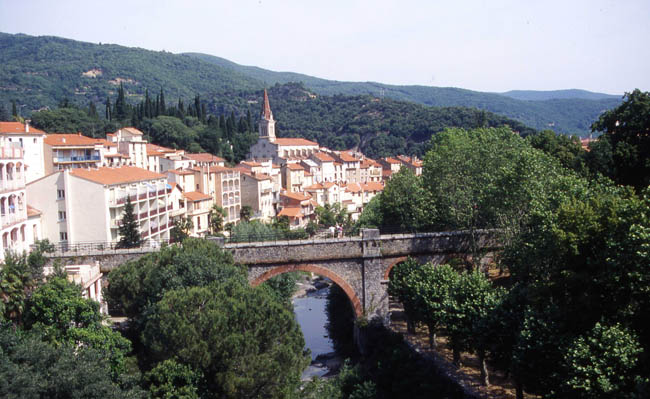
77 186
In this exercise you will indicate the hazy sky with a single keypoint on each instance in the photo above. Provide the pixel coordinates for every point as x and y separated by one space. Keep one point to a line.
490 45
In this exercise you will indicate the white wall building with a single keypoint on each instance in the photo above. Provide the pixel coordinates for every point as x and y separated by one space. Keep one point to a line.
30 139
84 205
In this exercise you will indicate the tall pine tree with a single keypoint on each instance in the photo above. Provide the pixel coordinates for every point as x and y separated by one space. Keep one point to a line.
129 232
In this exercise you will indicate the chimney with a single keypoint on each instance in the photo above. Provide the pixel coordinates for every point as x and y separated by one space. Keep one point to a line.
27 125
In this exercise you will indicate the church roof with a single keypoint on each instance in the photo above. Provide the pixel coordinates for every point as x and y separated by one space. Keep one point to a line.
295 142
266 108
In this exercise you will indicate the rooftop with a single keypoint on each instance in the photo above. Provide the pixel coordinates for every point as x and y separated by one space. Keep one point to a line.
292 212
110 176
71 139
18 128
323 157
197 196
204 157
296 196
294 142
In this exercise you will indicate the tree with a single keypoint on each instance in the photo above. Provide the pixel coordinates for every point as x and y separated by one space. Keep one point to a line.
601 364
404 204
14 109
129 228
487 178
215 219
245 213
136 285
32 368
244 342
627 128
64 317
183 226
170 379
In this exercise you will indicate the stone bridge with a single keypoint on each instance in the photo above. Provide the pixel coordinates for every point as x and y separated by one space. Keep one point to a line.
359 265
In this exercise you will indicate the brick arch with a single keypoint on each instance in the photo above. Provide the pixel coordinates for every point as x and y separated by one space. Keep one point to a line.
349 291
392 265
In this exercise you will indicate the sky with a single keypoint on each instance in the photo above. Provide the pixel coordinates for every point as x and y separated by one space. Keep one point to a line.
491 45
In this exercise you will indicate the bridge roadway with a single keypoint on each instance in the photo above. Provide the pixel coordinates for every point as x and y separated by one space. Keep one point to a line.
359 265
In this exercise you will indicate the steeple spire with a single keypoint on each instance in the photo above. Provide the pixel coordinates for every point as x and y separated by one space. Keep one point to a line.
266 108
267 124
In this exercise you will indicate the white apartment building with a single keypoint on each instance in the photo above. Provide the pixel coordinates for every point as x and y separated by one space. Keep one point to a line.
197 208
87 205
257 192
30 140
130 143
19 224
71 151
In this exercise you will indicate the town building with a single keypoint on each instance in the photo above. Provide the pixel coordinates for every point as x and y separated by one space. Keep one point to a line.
197 209
70 151
298 207
87 205
89 278
30 140
130 142
19 223
257 192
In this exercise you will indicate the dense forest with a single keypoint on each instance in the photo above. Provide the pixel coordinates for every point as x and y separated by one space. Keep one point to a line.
39 72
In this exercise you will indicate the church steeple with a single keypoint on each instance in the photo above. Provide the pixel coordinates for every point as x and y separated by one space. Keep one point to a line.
267 124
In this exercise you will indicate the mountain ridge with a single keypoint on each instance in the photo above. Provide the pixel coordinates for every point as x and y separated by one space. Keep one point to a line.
41 71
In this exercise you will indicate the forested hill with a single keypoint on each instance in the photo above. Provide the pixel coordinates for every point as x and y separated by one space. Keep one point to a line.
379 127
566 111
537 95
39 72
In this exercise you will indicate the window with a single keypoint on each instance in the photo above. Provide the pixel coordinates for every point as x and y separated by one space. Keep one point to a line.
61 215
60 194
198 222
63 236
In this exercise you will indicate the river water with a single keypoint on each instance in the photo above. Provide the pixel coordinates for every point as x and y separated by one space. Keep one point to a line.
312 317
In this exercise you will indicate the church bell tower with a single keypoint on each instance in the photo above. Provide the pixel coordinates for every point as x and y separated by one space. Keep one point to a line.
267 124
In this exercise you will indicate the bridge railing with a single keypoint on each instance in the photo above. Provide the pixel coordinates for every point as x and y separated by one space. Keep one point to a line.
64 248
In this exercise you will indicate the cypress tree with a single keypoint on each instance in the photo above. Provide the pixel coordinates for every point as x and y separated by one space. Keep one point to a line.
92 110
249 119
203 113
163 107
120 104
14 110
129 234
109 114
181 108
197 106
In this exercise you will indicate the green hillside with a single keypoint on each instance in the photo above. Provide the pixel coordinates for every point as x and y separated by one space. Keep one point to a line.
542 95
39 72
555 110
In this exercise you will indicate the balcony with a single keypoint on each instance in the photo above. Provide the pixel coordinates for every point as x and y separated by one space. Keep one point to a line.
9 219
92 158
11 153
12 184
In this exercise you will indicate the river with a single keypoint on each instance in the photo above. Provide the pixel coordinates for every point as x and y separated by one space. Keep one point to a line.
311 315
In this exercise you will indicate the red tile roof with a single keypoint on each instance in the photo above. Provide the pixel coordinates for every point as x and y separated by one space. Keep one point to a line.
109 176
18 128
70 139
204 157
31 211
292 212
295 166
197 196
345 157
323 157
316 186
373 186
294 142
296 196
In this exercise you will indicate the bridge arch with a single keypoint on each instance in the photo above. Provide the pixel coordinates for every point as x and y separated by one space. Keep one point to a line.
349 291
392 265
